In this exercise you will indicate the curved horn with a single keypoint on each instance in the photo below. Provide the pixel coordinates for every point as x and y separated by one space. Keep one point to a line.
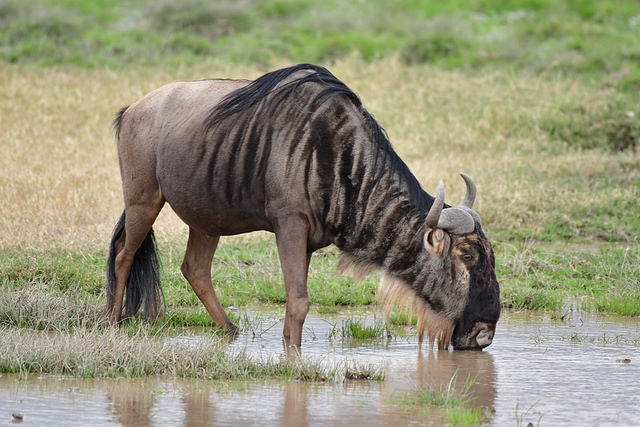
470 196
436 209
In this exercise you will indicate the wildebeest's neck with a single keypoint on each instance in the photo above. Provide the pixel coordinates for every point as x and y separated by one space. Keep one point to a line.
327 153
378 208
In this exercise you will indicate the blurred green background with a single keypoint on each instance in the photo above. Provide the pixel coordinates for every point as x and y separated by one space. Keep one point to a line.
591 39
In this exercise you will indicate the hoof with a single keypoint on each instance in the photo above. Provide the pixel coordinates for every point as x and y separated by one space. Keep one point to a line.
234 331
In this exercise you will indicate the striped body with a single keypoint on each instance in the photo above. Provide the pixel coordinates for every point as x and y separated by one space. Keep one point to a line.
236 179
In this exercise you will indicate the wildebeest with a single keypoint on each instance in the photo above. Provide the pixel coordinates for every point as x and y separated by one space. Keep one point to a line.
295 153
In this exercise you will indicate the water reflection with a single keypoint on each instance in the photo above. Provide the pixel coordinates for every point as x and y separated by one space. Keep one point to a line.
130 402
133 402
156 401
198 409
294 410
438 369
533 366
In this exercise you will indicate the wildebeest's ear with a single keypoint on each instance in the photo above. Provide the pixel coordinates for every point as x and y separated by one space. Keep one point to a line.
437 241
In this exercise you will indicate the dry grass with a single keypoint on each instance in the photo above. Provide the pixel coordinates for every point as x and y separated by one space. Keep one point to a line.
41 332
60 184
110 352
40 306
60 179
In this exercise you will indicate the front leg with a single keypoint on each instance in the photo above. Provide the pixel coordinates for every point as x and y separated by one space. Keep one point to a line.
291 236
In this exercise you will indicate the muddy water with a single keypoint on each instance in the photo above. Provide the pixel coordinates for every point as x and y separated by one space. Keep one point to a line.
580 370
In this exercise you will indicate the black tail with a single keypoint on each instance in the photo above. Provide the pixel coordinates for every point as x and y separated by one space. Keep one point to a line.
118 120
143 286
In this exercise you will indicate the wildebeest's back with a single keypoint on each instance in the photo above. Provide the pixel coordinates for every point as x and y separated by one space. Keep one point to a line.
192 169
169 113
275 159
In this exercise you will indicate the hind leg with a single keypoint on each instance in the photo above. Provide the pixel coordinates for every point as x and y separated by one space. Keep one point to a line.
139 218
196 268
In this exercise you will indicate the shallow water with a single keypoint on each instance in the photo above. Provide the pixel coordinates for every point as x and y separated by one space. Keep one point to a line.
583 369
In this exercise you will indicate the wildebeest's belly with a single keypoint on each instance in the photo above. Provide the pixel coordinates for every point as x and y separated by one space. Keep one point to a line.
208 192
218 219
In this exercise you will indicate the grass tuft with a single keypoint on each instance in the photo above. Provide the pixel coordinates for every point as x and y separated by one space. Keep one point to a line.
402 318
457 404
354 371
355 329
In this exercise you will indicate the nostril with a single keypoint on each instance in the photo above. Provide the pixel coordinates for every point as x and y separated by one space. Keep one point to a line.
484 337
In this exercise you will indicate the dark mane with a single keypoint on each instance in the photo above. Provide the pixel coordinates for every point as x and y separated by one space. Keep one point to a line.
276 86
271 83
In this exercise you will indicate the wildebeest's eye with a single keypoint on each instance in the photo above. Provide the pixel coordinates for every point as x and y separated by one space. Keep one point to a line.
468 257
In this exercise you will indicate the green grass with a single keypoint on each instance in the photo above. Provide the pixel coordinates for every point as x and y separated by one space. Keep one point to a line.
465 416
355 329
242 274
456 404
402 318
603 278
594 38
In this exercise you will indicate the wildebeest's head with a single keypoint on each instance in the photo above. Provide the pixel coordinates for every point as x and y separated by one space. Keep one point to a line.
455 292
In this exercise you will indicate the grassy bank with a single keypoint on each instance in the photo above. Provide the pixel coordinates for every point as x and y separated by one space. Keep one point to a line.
604 277
111 352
